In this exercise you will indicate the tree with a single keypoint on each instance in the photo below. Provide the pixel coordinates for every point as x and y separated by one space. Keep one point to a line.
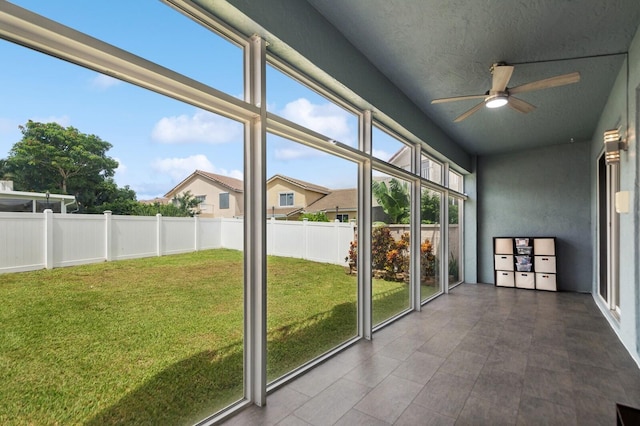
394 199
53 158
315 217
183 205
108 196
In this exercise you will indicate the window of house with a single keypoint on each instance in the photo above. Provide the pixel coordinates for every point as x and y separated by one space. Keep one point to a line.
224 200
430 169
286 199
342 217
455 181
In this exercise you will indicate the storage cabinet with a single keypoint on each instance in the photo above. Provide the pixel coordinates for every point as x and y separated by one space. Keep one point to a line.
525 262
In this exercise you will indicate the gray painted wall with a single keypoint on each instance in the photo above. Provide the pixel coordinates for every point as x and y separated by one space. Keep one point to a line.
538 193
623 111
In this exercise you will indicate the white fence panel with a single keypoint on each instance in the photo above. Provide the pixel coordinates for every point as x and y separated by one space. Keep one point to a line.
286 239
45 240
178 235
210 234
133 237
232 233
328 242
21 242
78 239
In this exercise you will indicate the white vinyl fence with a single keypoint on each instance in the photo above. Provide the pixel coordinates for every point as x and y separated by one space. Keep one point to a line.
30 241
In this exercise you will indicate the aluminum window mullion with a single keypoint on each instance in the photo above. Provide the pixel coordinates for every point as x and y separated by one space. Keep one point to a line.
416 232
255 225
365 298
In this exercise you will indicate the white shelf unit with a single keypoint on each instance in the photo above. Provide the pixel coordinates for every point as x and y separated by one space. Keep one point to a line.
525 262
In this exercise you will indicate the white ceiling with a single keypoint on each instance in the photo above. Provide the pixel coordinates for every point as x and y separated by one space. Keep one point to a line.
432 49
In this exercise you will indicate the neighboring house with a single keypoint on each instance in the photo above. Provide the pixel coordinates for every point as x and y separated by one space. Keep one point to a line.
33 202
341 204
288 197
430 169
219 196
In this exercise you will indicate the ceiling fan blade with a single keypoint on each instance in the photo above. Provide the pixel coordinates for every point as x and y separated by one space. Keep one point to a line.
520 105
457 98
468 113
501 77
559 80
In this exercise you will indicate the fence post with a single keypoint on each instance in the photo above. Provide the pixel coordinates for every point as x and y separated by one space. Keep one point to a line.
336 235
305 238
158 234
196 235
108 256
48 239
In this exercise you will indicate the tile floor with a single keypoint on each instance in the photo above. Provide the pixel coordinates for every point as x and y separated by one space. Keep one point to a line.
481 355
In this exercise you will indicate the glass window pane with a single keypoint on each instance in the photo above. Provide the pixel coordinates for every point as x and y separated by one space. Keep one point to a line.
292 100
390 242
455 181
455 240
311 301
224 200
115 342
431 169
181 44
390 149
430 256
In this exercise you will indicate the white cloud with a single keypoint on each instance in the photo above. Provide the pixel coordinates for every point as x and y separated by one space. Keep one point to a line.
122 168
296 152
327 119
202 126
103 82
180 168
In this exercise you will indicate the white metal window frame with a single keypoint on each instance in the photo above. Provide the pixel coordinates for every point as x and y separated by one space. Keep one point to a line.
36 32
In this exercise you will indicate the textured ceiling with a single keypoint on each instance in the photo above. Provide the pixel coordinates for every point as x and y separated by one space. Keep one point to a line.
432 49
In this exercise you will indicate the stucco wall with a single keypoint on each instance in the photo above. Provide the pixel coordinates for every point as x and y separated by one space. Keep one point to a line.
538 193
622 111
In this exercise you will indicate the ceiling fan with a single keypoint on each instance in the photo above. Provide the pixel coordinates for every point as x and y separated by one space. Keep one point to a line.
501 95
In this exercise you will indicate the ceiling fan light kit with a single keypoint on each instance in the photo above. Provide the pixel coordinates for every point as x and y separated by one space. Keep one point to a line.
496 101
501 95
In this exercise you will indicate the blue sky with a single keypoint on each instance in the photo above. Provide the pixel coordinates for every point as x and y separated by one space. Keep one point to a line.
159 141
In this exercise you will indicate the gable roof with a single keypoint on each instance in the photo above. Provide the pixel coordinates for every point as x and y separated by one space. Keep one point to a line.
300 183
344 199
228 182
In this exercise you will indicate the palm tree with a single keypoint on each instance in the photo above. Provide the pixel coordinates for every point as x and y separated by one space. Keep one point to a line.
394 199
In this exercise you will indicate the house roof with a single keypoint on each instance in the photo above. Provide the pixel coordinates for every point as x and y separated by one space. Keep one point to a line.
344 199
228 182
283 211
300 183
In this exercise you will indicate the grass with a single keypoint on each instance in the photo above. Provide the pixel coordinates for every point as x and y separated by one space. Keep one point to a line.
159 340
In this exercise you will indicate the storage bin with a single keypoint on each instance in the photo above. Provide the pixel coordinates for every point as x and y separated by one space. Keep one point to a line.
525 250
523 267
523 260
544 247
546 282
504 279
525 280
522 242
545 264
503 262
504 245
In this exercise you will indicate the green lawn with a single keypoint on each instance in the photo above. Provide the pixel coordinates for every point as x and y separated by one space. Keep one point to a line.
159 340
